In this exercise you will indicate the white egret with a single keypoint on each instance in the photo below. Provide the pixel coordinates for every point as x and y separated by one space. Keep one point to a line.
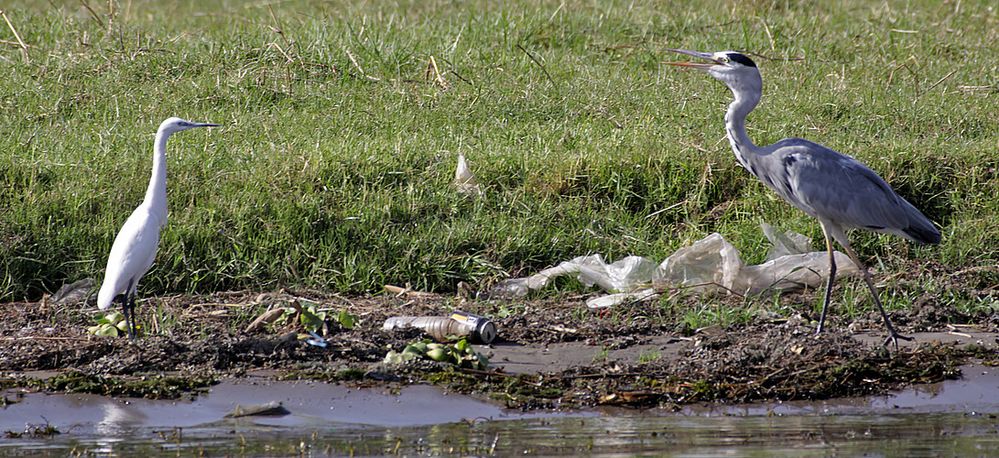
834 188
135 246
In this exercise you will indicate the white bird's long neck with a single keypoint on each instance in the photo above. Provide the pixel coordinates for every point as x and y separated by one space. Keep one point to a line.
735 126
156 197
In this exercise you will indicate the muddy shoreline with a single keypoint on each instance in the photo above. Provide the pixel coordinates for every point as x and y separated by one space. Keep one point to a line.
550 354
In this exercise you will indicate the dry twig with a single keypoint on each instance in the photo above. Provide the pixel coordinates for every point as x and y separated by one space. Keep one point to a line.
435 74
536 61
358 66
24 47
93 14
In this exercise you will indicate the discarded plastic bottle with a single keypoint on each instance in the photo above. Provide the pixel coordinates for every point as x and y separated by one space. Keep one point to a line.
479 329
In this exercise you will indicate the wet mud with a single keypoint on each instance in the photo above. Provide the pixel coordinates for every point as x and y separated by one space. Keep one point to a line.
550 354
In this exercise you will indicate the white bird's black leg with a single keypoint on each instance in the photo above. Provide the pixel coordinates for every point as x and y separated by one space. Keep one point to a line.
128 314
893 335
128 305
829 282
131 309
124 310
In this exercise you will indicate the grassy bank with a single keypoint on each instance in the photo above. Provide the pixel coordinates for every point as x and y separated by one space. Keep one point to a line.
334 166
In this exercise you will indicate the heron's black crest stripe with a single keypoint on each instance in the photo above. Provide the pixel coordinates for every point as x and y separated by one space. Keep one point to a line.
876 228
736 57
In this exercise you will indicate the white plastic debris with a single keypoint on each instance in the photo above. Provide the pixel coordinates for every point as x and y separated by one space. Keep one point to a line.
316 340
611 300
464 181
706 266
785 243
710 265
73 293
622 276
793 272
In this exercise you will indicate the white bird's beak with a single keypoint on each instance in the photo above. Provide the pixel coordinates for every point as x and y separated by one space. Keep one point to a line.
204 124
697 54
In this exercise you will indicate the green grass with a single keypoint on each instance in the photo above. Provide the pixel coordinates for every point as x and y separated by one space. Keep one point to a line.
327 177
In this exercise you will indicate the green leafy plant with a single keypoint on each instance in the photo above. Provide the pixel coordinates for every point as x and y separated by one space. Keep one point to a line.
460 354
347 320
109 325
312 319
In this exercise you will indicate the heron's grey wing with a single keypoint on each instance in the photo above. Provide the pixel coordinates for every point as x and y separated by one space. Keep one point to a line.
841 189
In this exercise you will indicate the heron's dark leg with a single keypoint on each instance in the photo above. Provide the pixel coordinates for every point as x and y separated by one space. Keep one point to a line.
829 281
893 335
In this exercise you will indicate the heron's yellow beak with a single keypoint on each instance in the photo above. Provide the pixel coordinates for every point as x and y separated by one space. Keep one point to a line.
697 54
697 65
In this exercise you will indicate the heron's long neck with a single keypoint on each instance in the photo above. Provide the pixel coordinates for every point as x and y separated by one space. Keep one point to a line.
735 125
156 196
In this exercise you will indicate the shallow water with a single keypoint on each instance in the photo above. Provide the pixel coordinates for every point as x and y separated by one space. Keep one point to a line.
958 417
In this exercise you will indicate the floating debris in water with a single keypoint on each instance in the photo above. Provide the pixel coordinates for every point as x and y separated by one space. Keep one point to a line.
270 409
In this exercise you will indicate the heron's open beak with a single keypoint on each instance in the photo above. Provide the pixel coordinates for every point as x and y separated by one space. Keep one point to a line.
699 55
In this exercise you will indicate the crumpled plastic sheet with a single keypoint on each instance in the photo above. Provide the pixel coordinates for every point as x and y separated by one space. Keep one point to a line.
709 266
464 180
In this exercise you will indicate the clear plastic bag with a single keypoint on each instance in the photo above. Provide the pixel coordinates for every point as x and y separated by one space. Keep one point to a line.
785 243
627 274
464 181
710 265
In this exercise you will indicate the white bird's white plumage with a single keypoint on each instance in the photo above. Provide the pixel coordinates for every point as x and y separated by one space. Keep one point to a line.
836 189
135 246
132 253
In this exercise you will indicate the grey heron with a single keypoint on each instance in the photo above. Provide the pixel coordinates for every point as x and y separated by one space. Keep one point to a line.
135 246
839 191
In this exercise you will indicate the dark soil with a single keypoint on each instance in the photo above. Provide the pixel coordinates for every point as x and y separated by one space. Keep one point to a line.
189 342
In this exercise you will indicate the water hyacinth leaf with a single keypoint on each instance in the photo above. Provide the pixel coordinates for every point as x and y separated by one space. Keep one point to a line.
310 320
107 330
346 319
394 357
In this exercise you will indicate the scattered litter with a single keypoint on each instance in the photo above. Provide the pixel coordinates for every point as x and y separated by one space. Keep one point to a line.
710 265
407 291
464 180
316 340
952 330
270 409
611 300
785 243
478 329
628 398
623 275
73 293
